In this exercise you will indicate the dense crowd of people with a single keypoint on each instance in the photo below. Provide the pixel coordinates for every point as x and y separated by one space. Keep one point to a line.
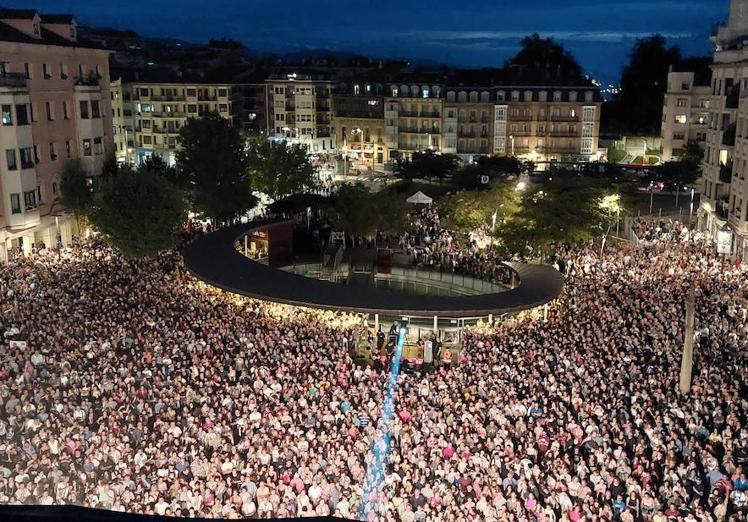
127 385
435 248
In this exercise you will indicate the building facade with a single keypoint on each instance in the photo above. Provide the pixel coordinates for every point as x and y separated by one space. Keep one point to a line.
685 114
413 119
55 103
724 192
300 111
147 117
250 101
358 124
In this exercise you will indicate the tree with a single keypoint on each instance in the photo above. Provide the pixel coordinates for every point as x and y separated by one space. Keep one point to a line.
468 178
156 166
212 168
75 192
360 213
643 86
139 214
110 167
544 59
279 169
467 211
564 212
428 165
502 166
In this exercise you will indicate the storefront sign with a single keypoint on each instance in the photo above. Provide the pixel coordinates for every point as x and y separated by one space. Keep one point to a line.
724 242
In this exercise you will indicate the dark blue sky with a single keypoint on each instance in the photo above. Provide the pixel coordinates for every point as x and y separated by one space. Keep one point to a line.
468 33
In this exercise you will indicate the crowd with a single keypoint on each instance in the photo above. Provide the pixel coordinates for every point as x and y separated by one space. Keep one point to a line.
435 248
139 389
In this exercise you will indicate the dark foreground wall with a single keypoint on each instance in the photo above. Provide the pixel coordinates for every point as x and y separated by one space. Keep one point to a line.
81 514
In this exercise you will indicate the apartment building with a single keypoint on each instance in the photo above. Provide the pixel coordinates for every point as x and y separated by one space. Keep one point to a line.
55 106
147 117
358 124
685 113
300 111
468 122
724 196
250 101
413 119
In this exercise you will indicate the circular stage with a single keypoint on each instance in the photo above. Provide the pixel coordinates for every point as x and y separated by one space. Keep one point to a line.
215 259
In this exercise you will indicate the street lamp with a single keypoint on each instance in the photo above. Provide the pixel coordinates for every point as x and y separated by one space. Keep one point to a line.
511 138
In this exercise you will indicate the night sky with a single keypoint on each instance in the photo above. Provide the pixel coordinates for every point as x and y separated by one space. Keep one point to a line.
461 33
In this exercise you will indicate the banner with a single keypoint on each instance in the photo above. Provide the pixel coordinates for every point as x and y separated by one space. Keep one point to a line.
724 242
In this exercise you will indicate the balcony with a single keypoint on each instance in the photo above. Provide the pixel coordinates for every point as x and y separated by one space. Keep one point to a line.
92 80
416 130
27 164
466 134
13 80
207 97
566 117
168 98
521 117
567 134
725 173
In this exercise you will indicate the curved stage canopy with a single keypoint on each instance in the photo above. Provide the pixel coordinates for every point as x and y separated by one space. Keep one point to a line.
213 259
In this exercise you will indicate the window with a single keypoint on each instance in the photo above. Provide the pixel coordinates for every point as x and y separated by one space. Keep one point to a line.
63 71
27 157
15 203
47 71
54 188
48 110
192 108
682 102
681 118
95 113
36 155
222 92
146 124
685 86
87 147
68 149
32 112
193 92
147 139
7 115
515 95
557 96
10 159
572 96
27 70
223 107
29 199
678 136
98 147
52 151
22 115
65 113
143 91
84 109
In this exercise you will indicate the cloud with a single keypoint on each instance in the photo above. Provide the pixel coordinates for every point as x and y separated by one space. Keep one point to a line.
567 36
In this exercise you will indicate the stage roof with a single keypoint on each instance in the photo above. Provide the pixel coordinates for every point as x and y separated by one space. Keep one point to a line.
213 259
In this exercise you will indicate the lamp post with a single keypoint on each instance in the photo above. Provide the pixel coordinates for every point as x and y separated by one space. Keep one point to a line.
651 196
677 193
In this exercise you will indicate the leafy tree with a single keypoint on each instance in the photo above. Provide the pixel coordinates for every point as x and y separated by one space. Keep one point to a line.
693 153
212 167
544 59
501 166
680 172
428 165
360 213
279 169
110 168
75 192
468 178
638 107
564 212
466 211
156 166
139 214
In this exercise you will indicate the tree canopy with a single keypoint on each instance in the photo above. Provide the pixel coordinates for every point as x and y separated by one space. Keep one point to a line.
212 168
427 165
360 213
75 192
468 210
138 213
544 59
279 169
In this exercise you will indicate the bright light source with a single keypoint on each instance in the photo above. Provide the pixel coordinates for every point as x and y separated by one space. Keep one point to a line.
611 202
521 186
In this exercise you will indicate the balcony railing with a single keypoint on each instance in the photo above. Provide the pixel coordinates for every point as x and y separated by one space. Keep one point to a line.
564 117
13 80
206 97
521 117
570 134
416 130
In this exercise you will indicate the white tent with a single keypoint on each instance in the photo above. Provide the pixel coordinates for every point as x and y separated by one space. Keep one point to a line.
419 198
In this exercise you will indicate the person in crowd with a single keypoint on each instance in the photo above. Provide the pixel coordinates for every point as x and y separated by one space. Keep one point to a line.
139 389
